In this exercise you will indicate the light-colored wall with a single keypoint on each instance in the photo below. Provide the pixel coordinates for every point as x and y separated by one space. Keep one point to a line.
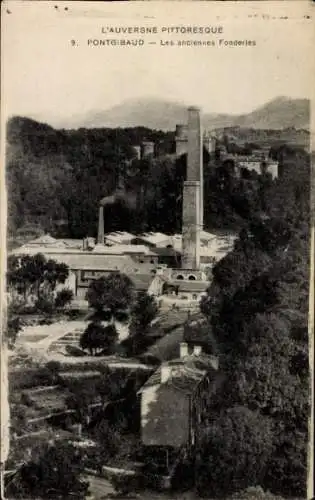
156 286
164 417
69 283
181 146
199 275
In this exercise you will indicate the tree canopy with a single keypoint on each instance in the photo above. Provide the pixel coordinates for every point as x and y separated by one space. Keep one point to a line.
99 339
257 305
112 293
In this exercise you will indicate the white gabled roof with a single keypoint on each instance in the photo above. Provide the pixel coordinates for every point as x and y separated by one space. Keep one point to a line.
44 240
119 236
121 249
154 238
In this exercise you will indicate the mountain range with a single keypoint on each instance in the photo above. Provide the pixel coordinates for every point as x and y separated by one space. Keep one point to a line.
279 113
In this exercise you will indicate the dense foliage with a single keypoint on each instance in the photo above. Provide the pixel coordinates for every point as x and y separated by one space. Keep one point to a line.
258 308
32 282
56 179
236 434
34 275
114 293
54 473
257 303
99 339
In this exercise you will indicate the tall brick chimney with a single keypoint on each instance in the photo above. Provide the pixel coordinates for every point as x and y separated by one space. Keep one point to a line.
100 234
193 193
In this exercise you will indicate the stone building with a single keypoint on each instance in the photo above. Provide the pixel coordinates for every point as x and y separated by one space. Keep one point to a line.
180 258
173 409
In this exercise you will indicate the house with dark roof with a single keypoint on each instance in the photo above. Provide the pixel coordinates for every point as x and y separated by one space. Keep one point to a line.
173 408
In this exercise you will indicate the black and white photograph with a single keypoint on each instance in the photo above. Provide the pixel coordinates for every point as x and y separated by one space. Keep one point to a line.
157 237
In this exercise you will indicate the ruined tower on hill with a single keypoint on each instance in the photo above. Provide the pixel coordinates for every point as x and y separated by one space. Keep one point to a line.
192 220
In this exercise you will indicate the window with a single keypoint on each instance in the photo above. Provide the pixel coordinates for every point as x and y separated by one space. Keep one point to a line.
180 277
191 277
195 296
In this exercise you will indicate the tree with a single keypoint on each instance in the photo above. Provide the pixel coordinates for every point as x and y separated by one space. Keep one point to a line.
55 474
257 305
34 275
13 327
144 311
235 452
99 339
63 298
113 293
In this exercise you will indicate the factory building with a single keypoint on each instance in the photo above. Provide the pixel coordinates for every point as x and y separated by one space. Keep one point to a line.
181 261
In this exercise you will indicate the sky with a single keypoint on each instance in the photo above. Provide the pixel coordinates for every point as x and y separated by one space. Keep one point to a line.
49 79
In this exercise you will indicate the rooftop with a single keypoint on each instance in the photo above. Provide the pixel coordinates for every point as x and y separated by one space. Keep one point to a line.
167 347
121 249
185 373
119 236
88 261
141 281
154 238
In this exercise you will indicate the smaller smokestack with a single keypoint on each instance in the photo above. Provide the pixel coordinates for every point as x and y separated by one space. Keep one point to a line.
90 243
165 373
183 350
100 234
197 350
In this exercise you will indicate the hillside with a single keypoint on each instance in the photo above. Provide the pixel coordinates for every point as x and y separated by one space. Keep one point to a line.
56 178
282 112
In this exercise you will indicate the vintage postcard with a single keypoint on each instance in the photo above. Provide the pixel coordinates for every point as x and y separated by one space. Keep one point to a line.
157 250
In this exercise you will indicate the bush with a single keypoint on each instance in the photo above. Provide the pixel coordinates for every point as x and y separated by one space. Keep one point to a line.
287 467
63 298
74 313
235 452
54 474
99 339
14 326
44 304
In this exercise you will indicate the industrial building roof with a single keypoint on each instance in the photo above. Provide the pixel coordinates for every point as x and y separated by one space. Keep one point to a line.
72 243
119 237
141 281
154 238
46 241
121 249
89 261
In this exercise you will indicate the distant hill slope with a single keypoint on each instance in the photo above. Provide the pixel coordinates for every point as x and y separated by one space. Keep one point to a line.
281 112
